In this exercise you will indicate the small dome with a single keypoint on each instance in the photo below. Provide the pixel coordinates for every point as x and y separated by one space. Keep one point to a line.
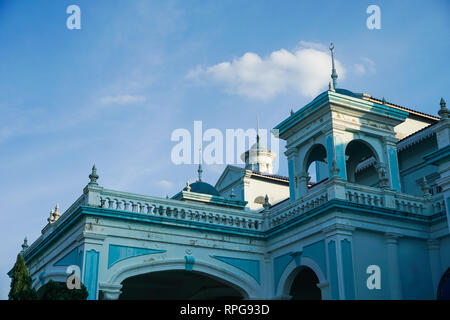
203 187
258 146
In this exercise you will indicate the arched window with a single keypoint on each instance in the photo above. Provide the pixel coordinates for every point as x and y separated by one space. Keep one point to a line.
304 286
361 163
316 163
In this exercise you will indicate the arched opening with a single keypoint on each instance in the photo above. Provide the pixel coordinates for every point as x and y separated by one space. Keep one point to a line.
177 285
304 286
316 164
361 163
444 286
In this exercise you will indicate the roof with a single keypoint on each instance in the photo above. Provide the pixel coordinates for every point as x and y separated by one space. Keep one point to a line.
411 111
415 137
270 176
203 187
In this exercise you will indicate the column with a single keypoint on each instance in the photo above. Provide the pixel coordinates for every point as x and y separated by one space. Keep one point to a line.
291 155
339 261
110 291
302 181
393 272
390 149
435 263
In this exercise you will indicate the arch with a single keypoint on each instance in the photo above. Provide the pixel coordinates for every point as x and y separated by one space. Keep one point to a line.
290 273
317 156
246 289
362 163
443 292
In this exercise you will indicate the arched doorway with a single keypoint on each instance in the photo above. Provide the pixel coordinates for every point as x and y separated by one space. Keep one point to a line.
304 286
361 163
316 164
444 286
177 285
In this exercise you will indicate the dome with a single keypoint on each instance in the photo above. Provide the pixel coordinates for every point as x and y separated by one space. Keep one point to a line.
258 146
203 187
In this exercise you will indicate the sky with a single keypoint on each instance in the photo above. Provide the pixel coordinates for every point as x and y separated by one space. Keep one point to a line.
113 92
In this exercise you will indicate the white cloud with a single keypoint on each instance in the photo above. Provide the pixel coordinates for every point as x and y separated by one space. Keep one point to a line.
122 99
305 71
366 66
165 184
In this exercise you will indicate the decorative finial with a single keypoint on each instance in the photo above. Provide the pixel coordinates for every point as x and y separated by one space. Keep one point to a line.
330 86
334 75
200 164
188 187
383 101
334 168
25 244
54 215
443 112
425 187
232 195
93 176
292 112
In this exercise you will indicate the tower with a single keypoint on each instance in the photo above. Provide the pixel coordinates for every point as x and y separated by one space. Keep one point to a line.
346 128
259 158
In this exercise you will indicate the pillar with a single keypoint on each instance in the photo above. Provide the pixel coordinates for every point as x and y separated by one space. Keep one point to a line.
390 149
435 263
393 272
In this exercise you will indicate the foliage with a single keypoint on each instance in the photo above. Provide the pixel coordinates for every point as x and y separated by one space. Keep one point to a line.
21 284
53 290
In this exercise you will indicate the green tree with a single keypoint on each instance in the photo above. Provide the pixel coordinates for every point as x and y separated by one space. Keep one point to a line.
21 285
53 290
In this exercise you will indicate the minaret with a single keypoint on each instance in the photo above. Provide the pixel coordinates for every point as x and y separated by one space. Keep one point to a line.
200 165
258 158
334 75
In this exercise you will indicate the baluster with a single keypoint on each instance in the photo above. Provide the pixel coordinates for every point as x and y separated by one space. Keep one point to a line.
110 203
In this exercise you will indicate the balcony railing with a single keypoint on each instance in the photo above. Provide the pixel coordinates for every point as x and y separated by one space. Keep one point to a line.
360 194
176 209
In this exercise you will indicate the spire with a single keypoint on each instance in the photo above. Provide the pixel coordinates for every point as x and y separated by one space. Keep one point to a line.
334 75
93 176
443 112
257 132
200 164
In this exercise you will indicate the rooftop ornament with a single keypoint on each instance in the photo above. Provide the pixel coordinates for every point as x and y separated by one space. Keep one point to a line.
200 171
93 176
443 112
25 244
334 75
54 215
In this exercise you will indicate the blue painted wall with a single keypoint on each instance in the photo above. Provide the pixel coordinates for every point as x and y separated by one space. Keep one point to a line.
118 253
316 252
369 249
415 269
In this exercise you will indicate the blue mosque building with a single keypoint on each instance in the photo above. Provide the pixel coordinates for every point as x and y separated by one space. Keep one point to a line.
370 222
